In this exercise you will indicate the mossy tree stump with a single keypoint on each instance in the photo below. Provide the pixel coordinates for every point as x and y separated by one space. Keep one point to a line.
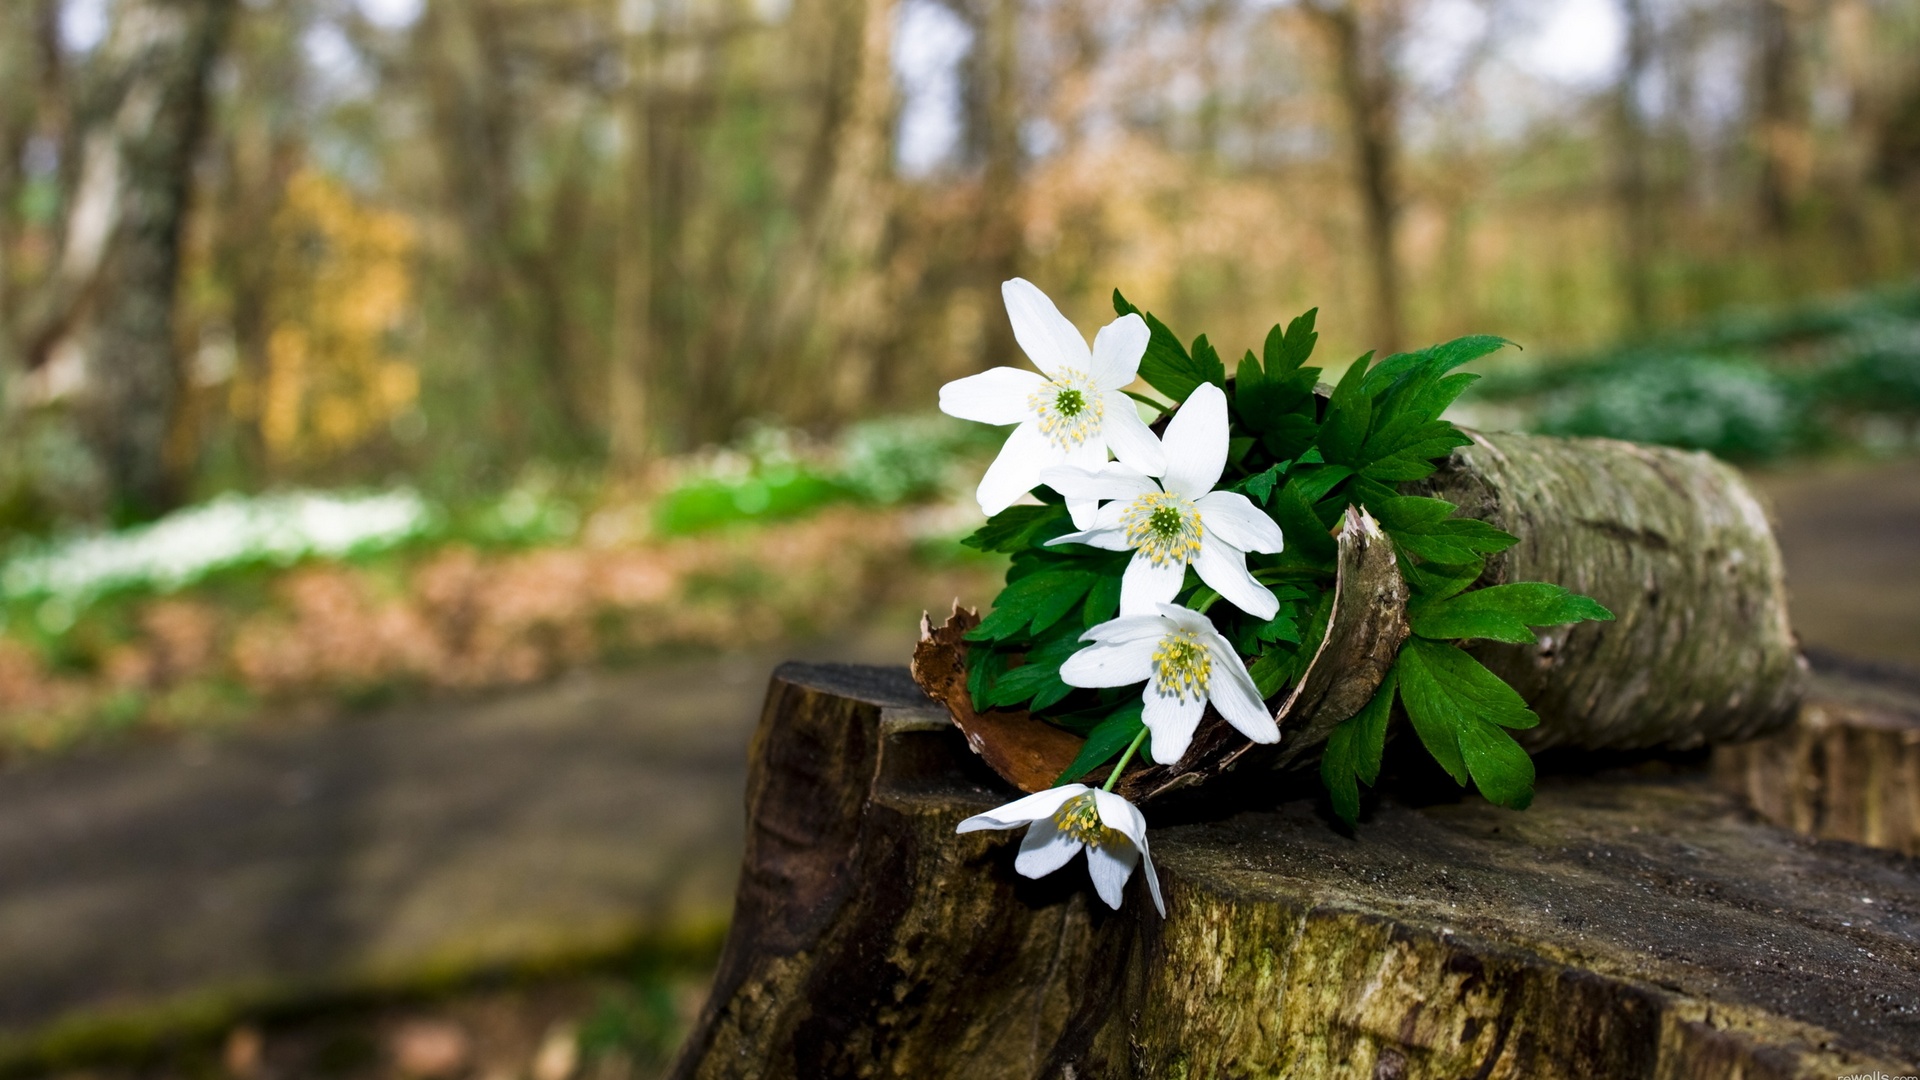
1635 924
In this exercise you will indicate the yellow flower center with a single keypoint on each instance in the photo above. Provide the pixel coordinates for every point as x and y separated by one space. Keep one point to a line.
1165 526
1079 819
1069 409
1182 666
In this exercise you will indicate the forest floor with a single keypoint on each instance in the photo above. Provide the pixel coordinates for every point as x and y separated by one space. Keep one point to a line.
496 886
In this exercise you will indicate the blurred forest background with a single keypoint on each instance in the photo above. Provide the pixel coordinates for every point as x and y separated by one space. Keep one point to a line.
439 337
246 244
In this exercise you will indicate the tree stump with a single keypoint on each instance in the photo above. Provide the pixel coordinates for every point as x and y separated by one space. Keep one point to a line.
1632 924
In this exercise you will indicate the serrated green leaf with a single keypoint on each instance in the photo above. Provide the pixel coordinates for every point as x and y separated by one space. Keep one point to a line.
1314 483
1304 533
1037 599
1353 752
1103 601
1020 527
984 666
1437 581
1349 415
1434 360
1291 437
1411 512
1166 366
1286 352
1450 697
1504 612
1261 484
1105 742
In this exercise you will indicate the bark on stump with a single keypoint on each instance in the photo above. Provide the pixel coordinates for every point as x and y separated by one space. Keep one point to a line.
1631 925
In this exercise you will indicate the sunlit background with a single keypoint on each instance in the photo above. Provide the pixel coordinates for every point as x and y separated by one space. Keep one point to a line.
359 353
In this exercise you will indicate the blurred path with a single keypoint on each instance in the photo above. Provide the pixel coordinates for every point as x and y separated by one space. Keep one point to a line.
164 883
1851 538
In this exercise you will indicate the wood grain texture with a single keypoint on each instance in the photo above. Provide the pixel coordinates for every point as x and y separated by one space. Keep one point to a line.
1629 925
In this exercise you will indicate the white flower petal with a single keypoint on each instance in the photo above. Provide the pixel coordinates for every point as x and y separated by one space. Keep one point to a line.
1145 584
1149 627
1041 804
1172 720
1153 880
1115 481
1234 518
1045 849
1234 694
1110 867
1224 569
1017 470
1117 350
997 396
1131 439
1045 335
1196 443
1123 817
1110 664
1105 538
1082 512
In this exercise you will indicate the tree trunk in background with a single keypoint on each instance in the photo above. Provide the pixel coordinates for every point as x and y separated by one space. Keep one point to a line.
1631 185
1364 37
1779 117
130 203
630 438
999 239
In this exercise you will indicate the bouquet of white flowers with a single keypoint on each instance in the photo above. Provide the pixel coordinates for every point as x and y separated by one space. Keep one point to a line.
1253 563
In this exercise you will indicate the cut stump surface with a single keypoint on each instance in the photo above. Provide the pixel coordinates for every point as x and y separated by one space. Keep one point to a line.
1628 924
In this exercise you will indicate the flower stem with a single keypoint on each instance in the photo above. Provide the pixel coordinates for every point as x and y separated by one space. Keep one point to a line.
1121 766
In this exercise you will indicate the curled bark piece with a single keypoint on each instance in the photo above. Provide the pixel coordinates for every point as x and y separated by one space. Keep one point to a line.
1364 632
1677 546
1027 753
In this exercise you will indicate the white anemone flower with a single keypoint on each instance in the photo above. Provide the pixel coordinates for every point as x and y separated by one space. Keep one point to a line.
1178 520
1185 663
1069 819
1071 412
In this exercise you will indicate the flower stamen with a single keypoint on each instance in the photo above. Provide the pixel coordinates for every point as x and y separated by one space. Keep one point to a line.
1164 526
1079 819
1182 666
1069 409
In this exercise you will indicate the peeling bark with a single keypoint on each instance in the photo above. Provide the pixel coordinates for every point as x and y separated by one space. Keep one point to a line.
1625 926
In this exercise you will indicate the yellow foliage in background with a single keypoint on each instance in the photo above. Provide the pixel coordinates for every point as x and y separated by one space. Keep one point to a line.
343 294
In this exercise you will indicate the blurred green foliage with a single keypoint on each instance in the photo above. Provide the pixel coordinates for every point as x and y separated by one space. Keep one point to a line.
1749 387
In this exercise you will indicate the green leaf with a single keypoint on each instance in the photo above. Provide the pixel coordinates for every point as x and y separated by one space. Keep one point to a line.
1457 708
1104 742
983 667
1020 527
1419 527
1313 484
1304 533
1103 601
1504 612
1286 352
1437 581
1349 414
1353 752
1260 485
1291 437
1037 599
1434 359
1166 366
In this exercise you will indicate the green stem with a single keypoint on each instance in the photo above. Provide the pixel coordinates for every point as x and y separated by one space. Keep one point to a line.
1121 766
